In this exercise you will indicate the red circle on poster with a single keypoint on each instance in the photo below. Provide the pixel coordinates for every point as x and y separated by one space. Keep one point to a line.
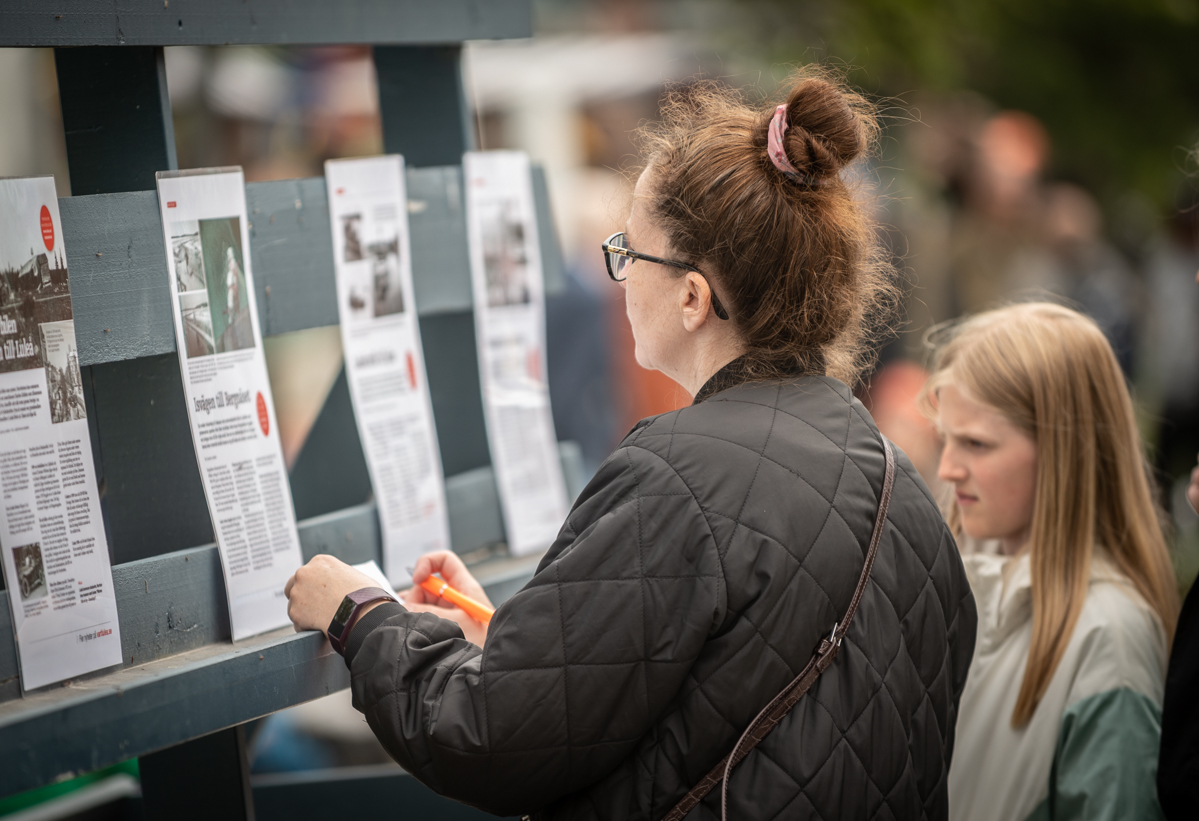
47 229
264 421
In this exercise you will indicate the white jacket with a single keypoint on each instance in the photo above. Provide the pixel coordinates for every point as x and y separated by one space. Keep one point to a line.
1090 749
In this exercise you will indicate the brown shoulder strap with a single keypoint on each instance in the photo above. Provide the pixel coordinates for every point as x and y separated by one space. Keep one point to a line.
781 704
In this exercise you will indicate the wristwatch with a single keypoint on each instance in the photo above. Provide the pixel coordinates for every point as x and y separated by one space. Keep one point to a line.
349 611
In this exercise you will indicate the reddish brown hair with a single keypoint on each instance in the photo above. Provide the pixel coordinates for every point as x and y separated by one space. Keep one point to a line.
797 263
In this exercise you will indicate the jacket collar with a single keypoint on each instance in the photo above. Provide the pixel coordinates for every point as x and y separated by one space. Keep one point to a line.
1002 587
729 376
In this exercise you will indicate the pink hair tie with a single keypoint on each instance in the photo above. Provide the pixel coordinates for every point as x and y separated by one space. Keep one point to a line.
774 145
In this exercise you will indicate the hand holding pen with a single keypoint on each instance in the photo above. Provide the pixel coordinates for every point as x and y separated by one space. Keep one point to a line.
453 576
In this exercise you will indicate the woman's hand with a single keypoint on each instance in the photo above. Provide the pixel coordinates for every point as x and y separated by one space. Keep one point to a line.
454 572
316 590
474 631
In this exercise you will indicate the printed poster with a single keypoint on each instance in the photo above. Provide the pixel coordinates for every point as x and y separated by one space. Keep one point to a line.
509 303
229 405
385 367
57 569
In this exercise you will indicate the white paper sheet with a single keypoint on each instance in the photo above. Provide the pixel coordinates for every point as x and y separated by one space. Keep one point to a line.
509 303
385 366
56 564
370 568
229 405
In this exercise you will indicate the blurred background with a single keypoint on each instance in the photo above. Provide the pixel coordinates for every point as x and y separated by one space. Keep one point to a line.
1029 149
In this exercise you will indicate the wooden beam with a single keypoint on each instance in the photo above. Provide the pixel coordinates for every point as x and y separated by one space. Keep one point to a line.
259 22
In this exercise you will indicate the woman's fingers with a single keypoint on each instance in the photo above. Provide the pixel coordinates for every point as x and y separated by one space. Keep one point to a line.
452 570
473 631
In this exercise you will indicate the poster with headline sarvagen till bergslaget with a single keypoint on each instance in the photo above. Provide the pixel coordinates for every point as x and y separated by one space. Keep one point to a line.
228 393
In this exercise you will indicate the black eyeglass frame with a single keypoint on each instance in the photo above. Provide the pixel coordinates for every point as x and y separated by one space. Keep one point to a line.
608 248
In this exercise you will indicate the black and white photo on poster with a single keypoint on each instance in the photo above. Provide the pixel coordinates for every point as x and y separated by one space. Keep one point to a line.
189 261
64 383
220 322
197 324
387 292
351 225
31 572
505 255
375 287
33 290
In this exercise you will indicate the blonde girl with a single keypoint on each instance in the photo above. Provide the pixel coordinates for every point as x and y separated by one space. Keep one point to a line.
1061 714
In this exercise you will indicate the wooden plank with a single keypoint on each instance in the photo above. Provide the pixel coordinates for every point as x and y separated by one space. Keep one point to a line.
423 105
175 602
116 117
253 22
207 777
118 264
292 253
151 496
64 731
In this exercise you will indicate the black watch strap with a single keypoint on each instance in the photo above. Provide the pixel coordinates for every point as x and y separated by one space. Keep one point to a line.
349 611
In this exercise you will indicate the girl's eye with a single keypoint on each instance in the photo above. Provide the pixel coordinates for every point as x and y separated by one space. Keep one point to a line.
974 444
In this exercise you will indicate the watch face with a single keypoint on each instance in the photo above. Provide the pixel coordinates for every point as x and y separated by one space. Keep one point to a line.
343 612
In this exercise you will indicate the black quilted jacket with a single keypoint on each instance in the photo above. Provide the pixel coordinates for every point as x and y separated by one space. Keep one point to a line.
691 582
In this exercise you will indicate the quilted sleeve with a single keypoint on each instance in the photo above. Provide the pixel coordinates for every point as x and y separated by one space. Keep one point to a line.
577 666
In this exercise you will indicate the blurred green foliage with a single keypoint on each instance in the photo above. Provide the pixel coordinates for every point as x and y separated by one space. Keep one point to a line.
1116 82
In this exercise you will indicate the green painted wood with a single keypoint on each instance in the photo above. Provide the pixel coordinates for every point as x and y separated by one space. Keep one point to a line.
330 471
258 22
116 116
153 499
118 264
452 363
553 264
291 250
440 250
423 103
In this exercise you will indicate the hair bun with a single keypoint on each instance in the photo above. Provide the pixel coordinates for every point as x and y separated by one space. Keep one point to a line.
826 130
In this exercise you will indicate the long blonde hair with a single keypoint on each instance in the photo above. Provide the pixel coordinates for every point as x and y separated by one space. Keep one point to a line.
1051 372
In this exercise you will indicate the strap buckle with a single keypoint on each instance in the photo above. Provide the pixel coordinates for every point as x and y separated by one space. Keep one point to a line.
832 636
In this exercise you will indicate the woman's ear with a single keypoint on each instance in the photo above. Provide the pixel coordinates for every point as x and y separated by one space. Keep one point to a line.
695 301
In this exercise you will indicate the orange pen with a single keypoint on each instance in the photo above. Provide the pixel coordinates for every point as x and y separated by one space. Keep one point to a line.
440 588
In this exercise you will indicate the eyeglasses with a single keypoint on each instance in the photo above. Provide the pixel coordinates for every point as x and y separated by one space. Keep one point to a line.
619 258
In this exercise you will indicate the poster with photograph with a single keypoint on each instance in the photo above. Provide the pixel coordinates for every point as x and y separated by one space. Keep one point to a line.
228 393
510 328
385 366
55 555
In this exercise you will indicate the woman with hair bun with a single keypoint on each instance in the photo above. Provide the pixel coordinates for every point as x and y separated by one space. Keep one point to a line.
1062 711
765 537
